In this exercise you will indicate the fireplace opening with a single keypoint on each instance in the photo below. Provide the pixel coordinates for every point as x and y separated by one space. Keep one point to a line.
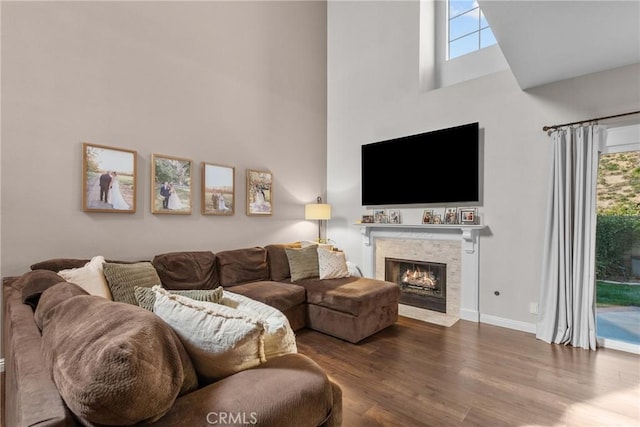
423 284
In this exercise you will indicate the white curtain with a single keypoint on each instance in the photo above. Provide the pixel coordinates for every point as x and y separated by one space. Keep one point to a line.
567 293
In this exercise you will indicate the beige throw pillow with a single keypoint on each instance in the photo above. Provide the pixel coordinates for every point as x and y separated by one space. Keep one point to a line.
303 262
90 277
279 338
123 278
332 264
220 340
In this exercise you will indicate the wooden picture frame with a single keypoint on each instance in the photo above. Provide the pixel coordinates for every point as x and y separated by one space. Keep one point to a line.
450 216
108 179
218 189
367 219
259 192
427 216
468 216
170 185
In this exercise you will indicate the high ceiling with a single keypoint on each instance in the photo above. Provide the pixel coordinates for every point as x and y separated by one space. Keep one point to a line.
546 41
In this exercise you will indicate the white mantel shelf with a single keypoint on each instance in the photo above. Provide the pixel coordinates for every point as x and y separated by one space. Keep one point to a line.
469 232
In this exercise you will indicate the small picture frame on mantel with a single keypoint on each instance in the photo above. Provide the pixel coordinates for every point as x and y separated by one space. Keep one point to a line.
394 216
468 216
451 216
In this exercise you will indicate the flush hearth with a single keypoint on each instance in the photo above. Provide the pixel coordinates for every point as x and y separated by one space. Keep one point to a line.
422 284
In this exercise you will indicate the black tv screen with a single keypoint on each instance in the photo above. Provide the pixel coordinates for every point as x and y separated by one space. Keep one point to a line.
440 166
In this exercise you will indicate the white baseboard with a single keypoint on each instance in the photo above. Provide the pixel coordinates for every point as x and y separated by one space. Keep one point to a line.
470 315
618 345
1 365
508 323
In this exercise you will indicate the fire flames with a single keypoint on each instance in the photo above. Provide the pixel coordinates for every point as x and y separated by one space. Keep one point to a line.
425 279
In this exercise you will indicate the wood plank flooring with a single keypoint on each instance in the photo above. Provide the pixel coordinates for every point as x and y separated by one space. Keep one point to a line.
421 374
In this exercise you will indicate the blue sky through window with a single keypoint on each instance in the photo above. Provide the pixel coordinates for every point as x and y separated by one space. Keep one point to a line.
468 29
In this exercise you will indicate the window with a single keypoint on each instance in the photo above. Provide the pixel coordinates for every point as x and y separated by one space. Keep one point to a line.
468 30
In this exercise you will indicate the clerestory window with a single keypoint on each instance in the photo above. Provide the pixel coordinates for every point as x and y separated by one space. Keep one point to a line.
468 30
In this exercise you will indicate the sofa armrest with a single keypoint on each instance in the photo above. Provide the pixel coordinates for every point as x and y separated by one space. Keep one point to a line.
290 390
31 397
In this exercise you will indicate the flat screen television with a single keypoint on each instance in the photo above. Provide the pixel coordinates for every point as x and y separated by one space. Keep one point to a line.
440 166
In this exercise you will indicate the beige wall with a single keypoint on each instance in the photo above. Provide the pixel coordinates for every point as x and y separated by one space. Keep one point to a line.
237 83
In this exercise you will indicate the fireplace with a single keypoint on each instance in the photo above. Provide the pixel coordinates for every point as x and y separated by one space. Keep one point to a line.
423 284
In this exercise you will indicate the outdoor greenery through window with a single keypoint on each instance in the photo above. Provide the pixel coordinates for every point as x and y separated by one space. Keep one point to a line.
468 30
618 230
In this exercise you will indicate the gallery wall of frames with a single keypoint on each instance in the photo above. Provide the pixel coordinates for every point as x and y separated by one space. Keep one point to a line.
110 182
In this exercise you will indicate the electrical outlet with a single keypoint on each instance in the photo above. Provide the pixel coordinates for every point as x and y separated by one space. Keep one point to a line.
533 307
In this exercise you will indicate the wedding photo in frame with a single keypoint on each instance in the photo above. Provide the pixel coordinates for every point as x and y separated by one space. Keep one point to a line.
395 216
427 216
468 216
170 185
451 216
218 189
108 179
259 192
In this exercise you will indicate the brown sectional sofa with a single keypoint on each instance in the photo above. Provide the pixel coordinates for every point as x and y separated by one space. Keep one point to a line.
290 390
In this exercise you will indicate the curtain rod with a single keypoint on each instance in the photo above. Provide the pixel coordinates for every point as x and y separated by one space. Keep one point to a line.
546 128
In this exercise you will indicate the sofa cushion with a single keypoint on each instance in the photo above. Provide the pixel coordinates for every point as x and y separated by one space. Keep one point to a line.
242 266
90 277
53 296
353 295
146 297
332 264
57 264
303 262
121 365
278 261
279 338
33 283
282 296
220 340
187 270
123 278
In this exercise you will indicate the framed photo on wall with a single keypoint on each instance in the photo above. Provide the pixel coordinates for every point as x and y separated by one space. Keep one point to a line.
218 189
170 185
108 179
259 192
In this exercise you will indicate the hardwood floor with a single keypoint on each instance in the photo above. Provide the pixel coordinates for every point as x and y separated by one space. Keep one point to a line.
420 374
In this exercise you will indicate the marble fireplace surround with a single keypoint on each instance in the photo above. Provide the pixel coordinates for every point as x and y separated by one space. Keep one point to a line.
455 245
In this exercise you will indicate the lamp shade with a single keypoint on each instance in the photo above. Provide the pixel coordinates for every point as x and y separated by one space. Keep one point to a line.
317 211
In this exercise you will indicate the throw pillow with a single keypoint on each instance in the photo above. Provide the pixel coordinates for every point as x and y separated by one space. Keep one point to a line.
120 365
33 283
303 262
90 277
219 339
279 338
332 264
307 243
123 278
146 297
